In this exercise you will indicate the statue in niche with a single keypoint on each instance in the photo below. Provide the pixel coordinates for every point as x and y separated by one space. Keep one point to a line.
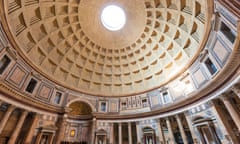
100 142
150 141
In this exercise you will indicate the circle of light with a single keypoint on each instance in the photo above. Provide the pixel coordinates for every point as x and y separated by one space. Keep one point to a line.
113 18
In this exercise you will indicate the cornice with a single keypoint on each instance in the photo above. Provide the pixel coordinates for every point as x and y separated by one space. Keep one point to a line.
9 92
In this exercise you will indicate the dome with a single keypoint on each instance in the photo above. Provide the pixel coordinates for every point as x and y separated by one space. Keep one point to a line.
119 71
67 42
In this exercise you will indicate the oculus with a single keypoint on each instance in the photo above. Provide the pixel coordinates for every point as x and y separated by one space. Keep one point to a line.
113 18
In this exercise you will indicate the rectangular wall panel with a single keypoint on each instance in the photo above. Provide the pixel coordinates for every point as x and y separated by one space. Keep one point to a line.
17 76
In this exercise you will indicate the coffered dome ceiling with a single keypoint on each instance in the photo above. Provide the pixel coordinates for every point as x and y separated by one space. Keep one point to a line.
66 42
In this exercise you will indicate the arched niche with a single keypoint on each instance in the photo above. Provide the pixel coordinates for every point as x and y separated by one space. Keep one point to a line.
82 100
79 108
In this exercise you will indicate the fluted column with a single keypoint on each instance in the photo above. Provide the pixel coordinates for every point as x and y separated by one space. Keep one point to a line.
6 117
231 110
236 90
160 131
190 126
171 136
17 129
111 135
120 133
129 133
138 130
30 134
181 130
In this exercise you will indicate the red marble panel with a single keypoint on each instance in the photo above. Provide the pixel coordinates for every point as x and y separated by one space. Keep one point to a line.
17 76
45 92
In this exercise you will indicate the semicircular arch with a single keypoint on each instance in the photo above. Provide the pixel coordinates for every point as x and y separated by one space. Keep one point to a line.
80 108
82 100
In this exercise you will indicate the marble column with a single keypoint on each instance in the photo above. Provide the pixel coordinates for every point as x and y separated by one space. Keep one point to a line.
62 129
138 130
6 117
231 110
18 127
120 133
129 133
190 126
170 132
105 140
201 135
223 123
236 90
111 135
96 140
30 134
160 131
213 132
51 139
39 136
93 138
180 126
